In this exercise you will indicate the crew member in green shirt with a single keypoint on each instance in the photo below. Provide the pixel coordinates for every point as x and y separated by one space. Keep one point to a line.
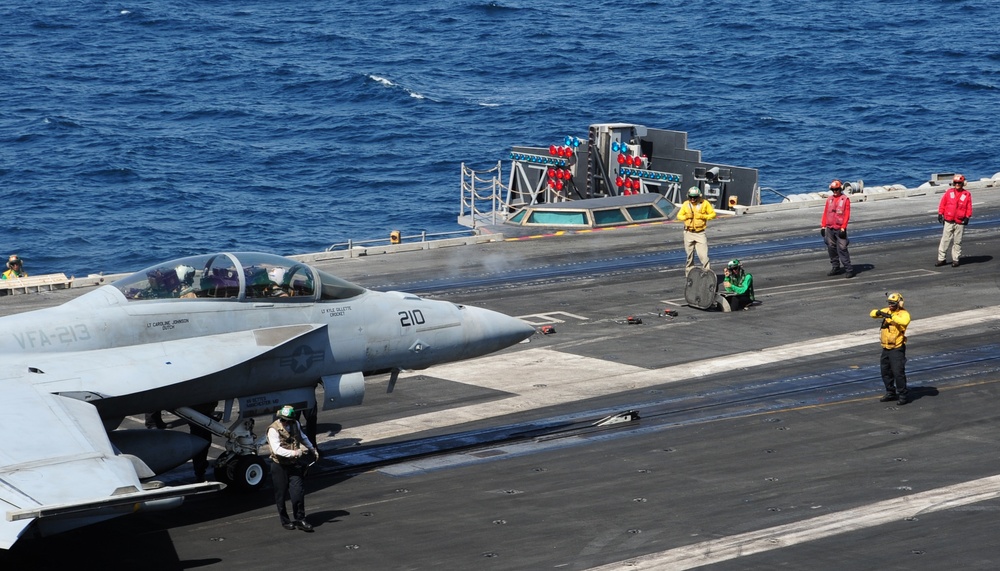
737 289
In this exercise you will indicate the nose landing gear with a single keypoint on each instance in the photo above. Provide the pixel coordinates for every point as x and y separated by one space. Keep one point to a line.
239 465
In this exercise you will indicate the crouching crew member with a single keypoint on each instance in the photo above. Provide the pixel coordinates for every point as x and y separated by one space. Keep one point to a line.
290 447
893 337
738 286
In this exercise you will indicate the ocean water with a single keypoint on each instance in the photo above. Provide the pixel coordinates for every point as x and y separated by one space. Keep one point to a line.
133 131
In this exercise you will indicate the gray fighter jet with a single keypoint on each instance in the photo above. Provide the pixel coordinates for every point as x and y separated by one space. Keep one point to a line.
248 328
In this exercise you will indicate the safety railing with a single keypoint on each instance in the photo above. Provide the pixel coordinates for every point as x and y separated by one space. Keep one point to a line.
396 238
482 197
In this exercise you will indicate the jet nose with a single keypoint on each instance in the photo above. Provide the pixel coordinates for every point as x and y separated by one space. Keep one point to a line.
490 331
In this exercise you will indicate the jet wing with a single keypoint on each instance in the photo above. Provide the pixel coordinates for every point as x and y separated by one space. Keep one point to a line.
55 451
56 459
132 369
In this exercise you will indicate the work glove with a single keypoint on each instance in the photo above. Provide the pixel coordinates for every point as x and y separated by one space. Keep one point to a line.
822 232
940 218
843 234
965 222
881 313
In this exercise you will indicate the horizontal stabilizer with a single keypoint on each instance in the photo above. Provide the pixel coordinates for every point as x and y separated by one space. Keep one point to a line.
132 500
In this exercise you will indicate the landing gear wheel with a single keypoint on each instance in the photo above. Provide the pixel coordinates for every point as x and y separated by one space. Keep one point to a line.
249 473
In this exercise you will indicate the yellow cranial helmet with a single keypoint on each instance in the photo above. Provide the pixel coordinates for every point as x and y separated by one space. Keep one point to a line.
895 298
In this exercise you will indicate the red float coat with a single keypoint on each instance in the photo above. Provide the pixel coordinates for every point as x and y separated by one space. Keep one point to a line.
837 212
955 205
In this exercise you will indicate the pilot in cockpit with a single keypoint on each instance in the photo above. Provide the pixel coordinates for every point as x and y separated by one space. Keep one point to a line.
185 274
163 283
260 284
170 283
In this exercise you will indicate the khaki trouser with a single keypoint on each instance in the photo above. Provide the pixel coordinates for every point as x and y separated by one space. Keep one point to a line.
952 235
695 242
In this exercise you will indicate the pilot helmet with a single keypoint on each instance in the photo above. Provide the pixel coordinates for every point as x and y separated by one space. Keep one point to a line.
287 412
163 278
185 274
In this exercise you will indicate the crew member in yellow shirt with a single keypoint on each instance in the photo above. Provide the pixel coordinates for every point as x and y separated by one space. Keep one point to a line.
892 335
695 213
15 268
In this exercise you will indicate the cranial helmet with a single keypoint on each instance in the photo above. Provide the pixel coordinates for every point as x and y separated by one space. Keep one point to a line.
895 298
287 412
958 179
836 185
733 264
694 192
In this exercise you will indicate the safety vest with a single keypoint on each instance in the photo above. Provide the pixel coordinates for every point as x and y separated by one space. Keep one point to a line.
837 212
696 220
955 205
893 331
289 440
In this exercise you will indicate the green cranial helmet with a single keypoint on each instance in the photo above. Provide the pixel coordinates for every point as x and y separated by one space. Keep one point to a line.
694 192
287 412
733 264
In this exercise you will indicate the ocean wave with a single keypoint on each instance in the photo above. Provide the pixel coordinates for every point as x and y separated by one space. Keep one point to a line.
139 131
390 84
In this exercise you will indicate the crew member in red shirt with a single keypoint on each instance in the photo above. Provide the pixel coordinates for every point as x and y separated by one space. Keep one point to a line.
954 212
833 228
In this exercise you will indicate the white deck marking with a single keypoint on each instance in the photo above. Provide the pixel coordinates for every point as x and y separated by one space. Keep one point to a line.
543 377
863 517
548 318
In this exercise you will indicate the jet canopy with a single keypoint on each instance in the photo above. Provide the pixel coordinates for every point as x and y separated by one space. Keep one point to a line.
247 276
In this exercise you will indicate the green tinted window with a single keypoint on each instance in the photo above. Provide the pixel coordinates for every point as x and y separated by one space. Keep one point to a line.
334 288
558 218
644 213
603 217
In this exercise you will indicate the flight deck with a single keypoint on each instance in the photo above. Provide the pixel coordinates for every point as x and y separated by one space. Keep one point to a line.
639 432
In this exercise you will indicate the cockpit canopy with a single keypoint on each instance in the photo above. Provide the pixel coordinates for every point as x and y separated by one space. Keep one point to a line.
247 276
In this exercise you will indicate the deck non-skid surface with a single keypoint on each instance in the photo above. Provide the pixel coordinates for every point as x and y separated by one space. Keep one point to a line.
760 442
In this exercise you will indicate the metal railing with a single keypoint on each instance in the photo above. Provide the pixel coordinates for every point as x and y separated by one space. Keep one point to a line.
474 196
421 237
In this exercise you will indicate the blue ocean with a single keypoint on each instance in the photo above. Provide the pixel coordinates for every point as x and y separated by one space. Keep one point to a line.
133 131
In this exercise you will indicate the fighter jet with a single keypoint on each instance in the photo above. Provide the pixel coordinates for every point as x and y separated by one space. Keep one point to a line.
250 328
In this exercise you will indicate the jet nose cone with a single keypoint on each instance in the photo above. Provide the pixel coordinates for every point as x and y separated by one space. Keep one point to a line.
519 330
491 331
